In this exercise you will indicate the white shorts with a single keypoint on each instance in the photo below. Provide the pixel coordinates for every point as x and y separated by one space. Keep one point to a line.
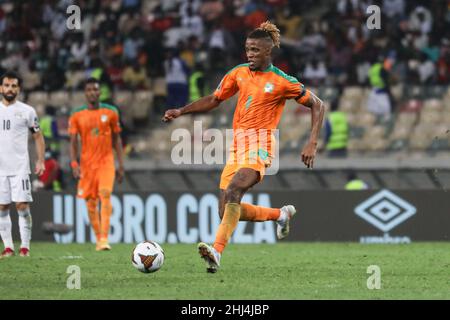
15 189
379 103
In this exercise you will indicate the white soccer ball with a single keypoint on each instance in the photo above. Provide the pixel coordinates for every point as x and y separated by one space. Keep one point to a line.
147 256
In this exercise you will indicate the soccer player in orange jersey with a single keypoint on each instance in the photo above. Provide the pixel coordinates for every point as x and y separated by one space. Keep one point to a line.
98 126
263 90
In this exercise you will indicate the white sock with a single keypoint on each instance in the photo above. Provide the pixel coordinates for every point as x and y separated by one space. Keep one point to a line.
282 216
5 229
25 227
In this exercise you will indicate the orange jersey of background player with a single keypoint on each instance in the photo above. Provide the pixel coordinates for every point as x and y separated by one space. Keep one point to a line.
262 96
95 128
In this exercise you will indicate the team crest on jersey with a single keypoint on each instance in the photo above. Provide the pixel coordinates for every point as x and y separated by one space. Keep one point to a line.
19 115
268 87
103 117
80 192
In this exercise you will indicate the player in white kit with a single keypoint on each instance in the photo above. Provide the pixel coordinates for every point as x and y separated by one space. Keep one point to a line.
17 119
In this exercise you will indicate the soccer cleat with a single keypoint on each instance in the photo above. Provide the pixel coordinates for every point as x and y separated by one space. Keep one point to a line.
287 212
211 257
8 252
24 252
103 245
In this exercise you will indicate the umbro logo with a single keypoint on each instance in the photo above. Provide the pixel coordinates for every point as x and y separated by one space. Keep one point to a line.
385 210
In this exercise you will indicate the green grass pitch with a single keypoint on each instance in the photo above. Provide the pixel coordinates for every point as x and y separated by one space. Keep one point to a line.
280 271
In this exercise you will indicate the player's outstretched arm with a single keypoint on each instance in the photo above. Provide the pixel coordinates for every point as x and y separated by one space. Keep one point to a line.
117 144
203 104
40 151
73 156
317 114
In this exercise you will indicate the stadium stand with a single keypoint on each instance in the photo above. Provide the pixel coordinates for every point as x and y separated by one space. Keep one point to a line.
54 62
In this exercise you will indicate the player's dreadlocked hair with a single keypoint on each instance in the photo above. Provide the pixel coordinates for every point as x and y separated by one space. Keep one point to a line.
267 30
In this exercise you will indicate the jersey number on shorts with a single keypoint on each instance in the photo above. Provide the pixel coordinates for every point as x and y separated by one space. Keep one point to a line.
6 125
25 185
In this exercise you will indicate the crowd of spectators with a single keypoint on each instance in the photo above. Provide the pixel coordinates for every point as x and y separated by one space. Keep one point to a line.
323 42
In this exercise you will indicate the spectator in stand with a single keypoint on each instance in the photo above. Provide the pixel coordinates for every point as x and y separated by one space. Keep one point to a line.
51 179
135 77
315 72
177 75
31 79
116 73
380 99
426 70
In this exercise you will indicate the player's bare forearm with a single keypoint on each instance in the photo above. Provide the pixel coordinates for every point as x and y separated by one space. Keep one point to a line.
117 144
74 155
40 151
40 145
204 104
317 114
73 147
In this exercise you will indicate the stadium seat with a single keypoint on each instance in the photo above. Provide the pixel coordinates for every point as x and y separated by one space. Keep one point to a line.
160 87
398 144
436 92
141 104
357 132
397 92
446 103
328 93
401 131
433 105
430 117
439 130
439 144
406 118
77 98
366 119
288 135
378 145
123 99
354 93
348 105
414 92
160 143
37 98
205 119
355 145
418 142
412 105
182 122
352 119
446 118
59 98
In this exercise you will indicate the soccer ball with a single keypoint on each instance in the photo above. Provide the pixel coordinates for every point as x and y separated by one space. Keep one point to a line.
147 256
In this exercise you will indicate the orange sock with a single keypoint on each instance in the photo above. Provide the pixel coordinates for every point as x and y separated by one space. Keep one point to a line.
94 217
105 213
229 222
250 212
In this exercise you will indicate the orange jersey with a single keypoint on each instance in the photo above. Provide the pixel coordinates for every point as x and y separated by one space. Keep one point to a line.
95 128
262 95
